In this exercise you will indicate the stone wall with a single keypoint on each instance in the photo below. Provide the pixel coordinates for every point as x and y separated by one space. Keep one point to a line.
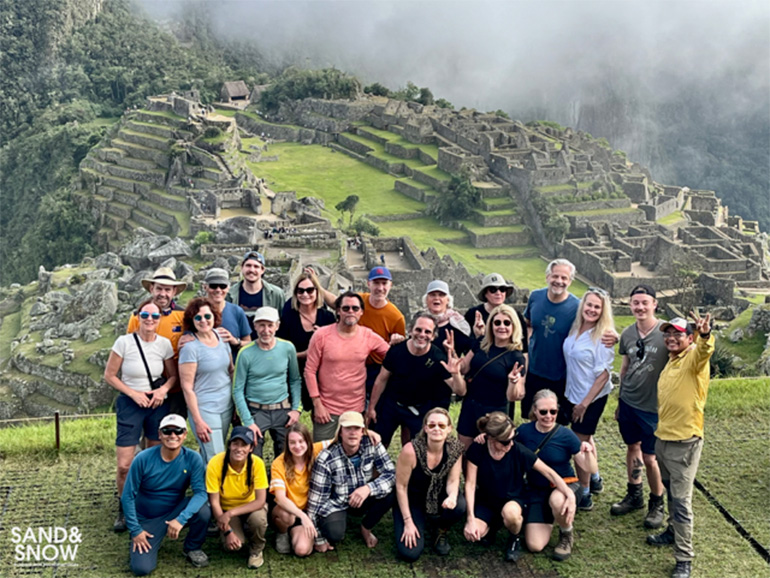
411 191
661 209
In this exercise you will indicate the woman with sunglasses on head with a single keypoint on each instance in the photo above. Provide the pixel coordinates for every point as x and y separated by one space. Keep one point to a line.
301 316
589 364
556 446
495 489
494 291
141 358
428 487
205 370
494 371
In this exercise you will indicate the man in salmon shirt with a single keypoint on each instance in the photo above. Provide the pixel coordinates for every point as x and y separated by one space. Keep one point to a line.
335 371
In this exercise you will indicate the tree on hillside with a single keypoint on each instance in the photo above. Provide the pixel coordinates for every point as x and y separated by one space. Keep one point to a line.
458 201
348 206
296 84
377 89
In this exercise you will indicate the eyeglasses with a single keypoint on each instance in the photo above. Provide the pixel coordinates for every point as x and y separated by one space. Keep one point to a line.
206 316
421 330
221 286
598 291
172 431
441 426
147 315
301 290
497 289
506 442
499 322
547 411
353 308
640 349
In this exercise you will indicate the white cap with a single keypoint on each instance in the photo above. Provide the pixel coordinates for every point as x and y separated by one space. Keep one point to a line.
173 419
266 314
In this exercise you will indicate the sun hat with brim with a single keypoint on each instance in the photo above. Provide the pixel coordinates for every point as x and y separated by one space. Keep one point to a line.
679 324
494 280
216 275
164 276
266 314
174 420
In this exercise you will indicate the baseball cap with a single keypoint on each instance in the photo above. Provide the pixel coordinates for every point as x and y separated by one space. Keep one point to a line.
266 314
643 290
380 273
351 418
679 324
174 420
438 286
256 255
243 433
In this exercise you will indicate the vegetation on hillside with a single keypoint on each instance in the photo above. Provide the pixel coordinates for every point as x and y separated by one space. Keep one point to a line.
458 201
296 84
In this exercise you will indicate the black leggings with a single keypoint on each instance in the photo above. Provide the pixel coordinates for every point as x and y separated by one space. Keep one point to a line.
333 526
444 519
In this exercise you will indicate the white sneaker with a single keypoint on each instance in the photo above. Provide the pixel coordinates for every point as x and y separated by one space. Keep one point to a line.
283 543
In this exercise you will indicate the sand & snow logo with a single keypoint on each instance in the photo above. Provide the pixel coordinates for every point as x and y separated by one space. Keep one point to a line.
46 545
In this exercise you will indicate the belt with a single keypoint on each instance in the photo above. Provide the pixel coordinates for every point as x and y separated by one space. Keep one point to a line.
285 404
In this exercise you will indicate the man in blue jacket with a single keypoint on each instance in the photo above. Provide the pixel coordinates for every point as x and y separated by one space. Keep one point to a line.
154 500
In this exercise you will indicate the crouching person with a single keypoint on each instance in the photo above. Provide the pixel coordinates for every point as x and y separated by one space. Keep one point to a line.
154 500
236 482
343 481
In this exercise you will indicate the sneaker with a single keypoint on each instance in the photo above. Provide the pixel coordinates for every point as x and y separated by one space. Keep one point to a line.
119 525
283 543
633 500
597 485
665 538
513 550
655 512
682 570
585 503
441 545
197 558
256 560
563 549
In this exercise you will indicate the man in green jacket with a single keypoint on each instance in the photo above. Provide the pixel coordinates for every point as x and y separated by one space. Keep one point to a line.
254 292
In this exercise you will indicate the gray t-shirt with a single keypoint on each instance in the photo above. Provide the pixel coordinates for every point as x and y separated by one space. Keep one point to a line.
639 387
212 385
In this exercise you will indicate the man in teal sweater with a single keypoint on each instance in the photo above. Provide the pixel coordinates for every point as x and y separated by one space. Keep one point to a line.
266 386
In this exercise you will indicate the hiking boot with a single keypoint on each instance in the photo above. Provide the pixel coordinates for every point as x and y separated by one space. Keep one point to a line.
597 485
563 549
655 513
682 570
633 500
441 545
256 561
119 525
513 549
665 538
585 503
283 543
197 558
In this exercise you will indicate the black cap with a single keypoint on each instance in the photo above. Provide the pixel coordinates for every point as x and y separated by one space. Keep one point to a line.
643 290
242 433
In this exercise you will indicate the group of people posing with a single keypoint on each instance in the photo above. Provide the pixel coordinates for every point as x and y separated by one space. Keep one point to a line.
242 362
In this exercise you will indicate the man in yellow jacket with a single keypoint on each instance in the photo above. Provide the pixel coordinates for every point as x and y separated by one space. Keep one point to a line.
682 391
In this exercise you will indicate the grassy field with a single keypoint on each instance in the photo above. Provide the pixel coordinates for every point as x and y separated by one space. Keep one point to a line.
75 488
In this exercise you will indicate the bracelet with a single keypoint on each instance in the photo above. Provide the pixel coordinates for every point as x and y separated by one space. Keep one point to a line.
230 531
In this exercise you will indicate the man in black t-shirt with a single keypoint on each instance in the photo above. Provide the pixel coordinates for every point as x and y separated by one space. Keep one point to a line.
416 376
253 292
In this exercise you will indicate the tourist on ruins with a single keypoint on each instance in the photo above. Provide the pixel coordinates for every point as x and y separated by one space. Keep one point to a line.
644 356
556 446
236 482
266 385
335 370
439 302
495 485
550 314
301 316
682 391
141 358
163 289
416 377
205 370
155 502
494 291
494 371
235 328
428 487
253 292
589 365
353 475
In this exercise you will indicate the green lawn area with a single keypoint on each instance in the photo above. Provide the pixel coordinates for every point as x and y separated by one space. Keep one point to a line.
378 150
673 218
436 173
316 171
479 230
602 211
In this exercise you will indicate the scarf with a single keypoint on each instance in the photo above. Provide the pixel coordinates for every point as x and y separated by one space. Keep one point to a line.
453 450
455 320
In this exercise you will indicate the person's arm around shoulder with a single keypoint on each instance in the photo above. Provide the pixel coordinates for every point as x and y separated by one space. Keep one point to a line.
407 461
382 485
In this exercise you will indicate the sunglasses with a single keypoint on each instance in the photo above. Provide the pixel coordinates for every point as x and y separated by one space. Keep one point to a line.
499 322
147 315
497 289
598 291
222 286
301 290
172 431
639 349
353 308
506 442
441 426
206 316
547 411
421 330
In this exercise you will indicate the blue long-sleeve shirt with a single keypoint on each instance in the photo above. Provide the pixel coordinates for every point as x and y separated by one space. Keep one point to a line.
265 377
155 488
